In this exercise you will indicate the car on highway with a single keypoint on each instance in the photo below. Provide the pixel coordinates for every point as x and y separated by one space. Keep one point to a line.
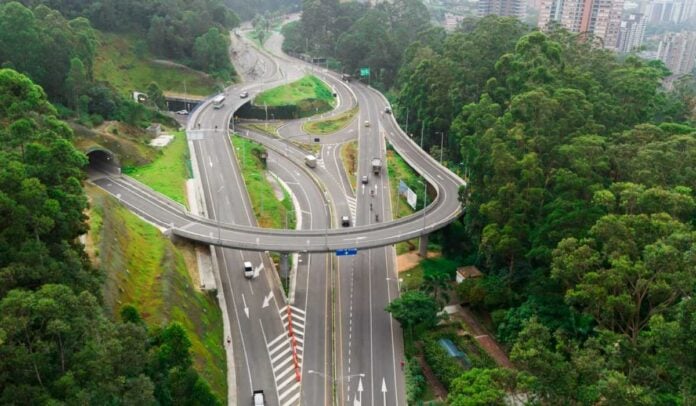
367 123
248 270
244 95
363 179
259 398
387 110
345 221
182 112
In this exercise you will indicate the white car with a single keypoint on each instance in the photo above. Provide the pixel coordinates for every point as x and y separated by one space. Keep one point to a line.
244 95
367 123
182 112
345 221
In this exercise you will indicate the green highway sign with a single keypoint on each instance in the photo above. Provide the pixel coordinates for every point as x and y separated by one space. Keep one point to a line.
364 71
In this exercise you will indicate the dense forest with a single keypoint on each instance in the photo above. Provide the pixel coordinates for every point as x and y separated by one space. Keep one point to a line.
56 344
180 30
579 208
358 35
59 53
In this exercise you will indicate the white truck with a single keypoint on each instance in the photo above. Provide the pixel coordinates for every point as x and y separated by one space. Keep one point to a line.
376 166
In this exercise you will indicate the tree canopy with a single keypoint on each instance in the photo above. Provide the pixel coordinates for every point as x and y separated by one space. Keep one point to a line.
56 345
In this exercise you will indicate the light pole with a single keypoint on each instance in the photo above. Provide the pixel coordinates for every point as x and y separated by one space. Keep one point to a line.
442 139
425 199
334 380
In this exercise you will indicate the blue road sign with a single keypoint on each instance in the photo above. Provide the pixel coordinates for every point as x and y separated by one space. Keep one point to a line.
346 252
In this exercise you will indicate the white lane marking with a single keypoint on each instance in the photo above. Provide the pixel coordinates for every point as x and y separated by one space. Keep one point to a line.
246 308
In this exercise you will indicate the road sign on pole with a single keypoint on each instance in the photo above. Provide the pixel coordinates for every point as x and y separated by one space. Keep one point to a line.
346 252
364 71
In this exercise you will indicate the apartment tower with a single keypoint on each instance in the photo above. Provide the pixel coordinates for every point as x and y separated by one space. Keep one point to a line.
602 18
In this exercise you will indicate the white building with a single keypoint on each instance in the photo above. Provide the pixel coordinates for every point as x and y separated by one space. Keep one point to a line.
602 18
678 51
632 32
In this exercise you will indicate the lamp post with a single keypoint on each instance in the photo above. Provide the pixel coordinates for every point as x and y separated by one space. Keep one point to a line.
425 199
442 139
334 380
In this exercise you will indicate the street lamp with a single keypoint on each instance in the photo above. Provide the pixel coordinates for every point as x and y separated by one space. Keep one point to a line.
425 199
442 139
334 380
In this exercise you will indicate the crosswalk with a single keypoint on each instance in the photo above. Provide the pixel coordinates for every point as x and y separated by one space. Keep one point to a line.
352 203
280 350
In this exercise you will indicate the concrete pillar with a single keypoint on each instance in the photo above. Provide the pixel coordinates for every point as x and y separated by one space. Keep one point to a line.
423 245
284 265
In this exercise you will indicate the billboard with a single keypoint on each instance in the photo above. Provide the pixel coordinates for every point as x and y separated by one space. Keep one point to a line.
409 194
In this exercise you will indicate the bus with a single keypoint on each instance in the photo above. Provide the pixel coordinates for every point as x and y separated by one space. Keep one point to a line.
219 101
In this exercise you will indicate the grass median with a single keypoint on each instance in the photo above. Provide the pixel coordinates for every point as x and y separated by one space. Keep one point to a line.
330 125
264 191
309 94
168 173
349 157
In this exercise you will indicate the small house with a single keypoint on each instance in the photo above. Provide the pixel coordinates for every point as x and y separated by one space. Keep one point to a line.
467 272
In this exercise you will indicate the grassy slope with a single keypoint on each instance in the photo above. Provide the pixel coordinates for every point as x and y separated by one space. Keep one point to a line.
168 173
330 125
270 212
118 64
309 87
144 268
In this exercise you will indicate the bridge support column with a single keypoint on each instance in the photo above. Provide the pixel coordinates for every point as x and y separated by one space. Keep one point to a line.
423 245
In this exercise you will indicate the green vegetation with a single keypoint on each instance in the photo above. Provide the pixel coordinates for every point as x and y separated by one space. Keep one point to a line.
118 62
270 211
192 33
349 157
309 94
330 125
400 170
57 345
265 128
167 174
359 37
580 210
143 268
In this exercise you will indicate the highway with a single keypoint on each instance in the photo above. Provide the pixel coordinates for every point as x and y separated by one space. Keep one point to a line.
348 343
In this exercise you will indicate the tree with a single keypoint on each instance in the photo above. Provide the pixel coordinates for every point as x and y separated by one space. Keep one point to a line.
155 97
476 387
632 268
414 309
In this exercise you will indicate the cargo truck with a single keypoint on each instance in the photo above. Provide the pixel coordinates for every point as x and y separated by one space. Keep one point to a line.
376 166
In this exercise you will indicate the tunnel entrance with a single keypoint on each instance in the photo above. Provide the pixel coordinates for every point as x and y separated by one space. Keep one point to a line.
102 161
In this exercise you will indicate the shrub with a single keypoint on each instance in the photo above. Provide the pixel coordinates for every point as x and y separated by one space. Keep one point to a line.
445 367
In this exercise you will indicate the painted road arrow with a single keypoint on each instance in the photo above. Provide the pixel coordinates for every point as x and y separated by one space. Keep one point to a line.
384 391
246 309
267 300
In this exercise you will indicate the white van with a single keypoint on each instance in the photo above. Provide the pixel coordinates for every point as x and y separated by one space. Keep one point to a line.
311 161
248 270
